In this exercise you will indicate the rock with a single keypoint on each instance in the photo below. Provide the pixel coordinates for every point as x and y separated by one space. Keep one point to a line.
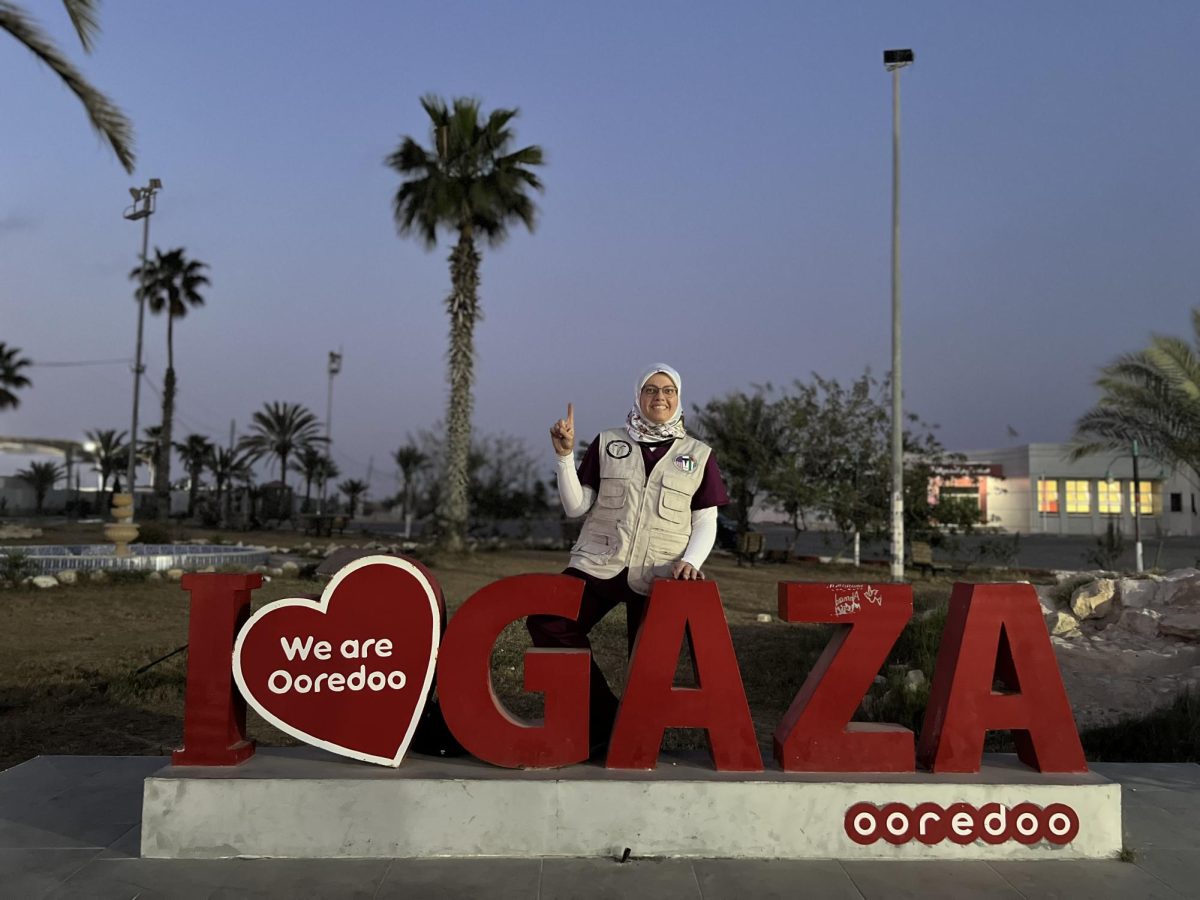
97 575
1136 593
261 569
1094 600
1180 574
290 569
154 576
1140 621
914 680
276 571
174 574
18 533
764 617
1184 625
208 569
1062 624
68 576
45 581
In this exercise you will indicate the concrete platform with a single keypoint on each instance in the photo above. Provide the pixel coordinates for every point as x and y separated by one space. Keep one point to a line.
303 803
69 828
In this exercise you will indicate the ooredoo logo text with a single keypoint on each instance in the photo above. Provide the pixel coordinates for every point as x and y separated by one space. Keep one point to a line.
961 823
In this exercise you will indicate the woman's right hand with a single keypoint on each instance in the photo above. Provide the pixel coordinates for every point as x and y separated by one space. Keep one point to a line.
562 433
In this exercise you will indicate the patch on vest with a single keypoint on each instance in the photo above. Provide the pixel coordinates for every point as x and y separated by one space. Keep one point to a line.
618 449
685 463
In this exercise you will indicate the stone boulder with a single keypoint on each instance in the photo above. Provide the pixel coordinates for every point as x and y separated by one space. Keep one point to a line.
45 581
174 574
1094 600
1143 622
68 576
1062 624
1137 593
1184 624
290 569
97 575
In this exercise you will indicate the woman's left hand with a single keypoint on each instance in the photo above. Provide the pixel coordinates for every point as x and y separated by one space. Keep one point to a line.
685 571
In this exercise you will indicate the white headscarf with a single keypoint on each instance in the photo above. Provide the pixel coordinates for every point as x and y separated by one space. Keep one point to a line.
641 430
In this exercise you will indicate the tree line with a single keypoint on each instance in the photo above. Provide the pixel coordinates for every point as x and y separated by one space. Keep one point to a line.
820 453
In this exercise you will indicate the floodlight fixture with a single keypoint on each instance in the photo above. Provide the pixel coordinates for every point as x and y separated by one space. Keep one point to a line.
156 184
897 59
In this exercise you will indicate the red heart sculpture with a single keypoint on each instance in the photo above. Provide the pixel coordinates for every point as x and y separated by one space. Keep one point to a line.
350 672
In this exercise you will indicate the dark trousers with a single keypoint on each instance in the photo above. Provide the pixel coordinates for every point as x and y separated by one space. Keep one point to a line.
600 596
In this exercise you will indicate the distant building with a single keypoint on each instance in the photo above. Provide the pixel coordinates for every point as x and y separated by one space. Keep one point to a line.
1037 489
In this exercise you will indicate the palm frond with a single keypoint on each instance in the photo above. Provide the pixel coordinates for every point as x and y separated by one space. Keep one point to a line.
103 114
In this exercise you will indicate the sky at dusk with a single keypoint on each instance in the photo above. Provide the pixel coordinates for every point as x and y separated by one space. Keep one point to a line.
718 190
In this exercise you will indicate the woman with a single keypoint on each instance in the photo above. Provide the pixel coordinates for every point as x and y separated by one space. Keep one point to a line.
650 493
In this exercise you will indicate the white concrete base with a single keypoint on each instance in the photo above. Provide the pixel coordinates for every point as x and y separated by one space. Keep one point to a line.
304 803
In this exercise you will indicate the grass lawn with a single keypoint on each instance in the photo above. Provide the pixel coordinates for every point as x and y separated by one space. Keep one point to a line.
69 656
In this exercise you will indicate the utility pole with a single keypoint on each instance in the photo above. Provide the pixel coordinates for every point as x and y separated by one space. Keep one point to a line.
894 61
335 366
142 208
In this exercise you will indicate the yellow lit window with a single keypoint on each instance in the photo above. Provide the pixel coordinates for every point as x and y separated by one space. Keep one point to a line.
1079 497
1147 498
1108 497
1048 495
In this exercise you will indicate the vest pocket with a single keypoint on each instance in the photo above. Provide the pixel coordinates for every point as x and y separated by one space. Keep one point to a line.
674 506
611 495
597 543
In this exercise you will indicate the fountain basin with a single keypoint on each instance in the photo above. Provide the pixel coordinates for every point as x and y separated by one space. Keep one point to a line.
52 558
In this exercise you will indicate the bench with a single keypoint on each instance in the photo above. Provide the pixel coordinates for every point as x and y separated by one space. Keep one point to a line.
921 557
749 546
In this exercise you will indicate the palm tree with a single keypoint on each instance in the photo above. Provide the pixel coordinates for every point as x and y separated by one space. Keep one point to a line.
327 471
108 454
195 452
227 465
1151 396
309 462
471 184
169 282
353 489
41 476
281 429
109 121
410 460
11 378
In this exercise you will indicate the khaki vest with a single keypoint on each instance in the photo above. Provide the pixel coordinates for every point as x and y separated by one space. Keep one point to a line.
638 522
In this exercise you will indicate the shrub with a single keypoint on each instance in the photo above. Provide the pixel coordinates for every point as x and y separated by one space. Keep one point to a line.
153 533
16 566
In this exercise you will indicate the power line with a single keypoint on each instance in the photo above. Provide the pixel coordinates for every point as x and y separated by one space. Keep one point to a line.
82 362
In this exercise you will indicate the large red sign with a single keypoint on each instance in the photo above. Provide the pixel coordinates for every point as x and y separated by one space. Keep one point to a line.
351 672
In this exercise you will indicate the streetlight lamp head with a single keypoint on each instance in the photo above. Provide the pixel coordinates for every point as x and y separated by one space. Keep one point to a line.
135 193
156 185
896 59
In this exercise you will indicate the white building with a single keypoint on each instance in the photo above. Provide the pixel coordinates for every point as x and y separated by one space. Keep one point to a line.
1037 489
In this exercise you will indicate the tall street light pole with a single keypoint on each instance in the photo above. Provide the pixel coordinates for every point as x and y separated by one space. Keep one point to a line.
335 366
142 208
894 61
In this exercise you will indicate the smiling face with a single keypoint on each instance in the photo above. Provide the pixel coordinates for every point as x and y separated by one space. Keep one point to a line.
659 398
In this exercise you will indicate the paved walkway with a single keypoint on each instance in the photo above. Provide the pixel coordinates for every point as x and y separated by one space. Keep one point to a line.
69 827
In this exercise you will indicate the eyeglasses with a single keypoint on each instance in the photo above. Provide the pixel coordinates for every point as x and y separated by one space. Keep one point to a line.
652 391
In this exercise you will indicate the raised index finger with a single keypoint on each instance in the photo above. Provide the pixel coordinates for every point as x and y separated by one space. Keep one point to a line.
570 415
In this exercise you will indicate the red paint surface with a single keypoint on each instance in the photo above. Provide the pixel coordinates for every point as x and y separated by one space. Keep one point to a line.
358 716
995 634
651 702
468 698
214 716
816 734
